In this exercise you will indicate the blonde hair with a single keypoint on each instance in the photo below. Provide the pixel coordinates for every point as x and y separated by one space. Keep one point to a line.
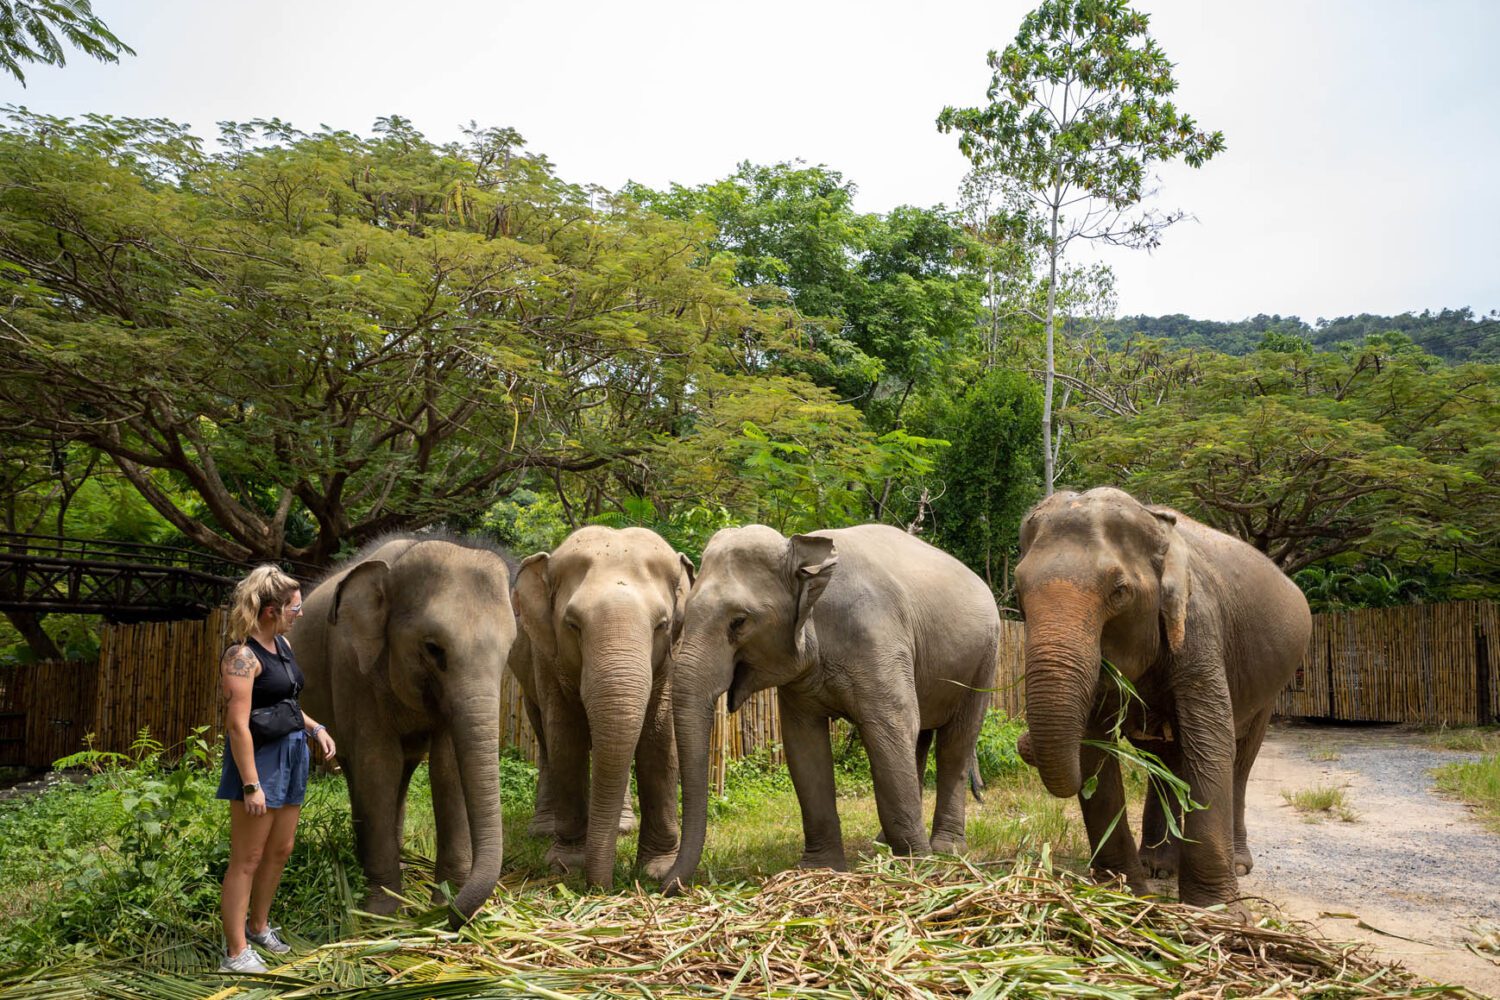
264 586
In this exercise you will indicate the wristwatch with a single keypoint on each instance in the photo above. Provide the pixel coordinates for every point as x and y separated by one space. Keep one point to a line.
251 788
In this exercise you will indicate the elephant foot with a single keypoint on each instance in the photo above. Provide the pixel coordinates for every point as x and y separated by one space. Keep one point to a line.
541 826
1160 860
1228 894
948 843
823 859
1244 862
657 866
881 838
380 902
566 858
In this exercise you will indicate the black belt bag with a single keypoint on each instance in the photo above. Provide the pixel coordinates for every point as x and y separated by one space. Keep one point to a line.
269 724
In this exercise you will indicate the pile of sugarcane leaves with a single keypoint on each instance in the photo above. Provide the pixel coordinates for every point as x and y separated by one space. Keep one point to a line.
893 928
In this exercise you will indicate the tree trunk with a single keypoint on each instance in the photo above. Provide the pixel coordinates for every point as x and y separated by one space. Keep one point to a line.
29 625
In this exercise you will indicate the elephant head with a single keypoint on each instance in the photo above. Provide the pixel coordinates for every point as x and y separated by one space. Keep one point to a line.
431 621
1101 576
601 613
748 626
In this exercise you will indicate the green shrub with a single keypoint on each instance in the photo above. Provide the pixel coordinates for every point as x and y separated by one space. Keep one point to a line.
996 748
1477 782
129 863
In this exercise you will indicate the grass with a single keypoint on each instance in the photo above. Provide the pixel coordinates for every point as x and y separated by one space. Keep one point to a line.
1477 783
1320 803
1326 754
1473 739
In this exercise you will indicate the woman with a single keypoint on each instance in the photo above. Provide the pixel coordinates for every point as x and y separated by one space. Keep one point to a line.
265 765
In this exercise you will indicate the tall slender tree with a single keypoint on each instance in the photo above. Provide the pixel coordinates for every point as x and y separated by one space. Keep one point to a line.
1078 113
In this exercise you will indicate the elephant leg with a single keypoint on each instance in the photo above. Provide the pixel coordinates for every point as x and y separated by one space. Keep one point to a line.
809 758
891 743
924 748
455 852
375 800
541 814
568 762
656 778
1112 847
955 751
1206 733
1246 749
1160 848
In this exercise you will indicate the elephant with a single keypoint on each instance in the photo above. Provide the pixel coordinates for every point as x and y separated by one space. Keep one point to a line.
1208 631
866 623
403 648
598 618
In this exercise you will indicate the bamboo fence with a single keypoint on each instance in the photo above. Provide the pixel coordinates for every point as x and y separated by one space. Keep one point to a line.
47 707
1427 664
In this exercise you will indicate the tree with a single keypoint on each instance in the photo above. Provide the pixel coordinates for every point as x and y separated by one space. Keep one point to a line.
28 34
990 476
1078 111
312 339
1378 451
886 303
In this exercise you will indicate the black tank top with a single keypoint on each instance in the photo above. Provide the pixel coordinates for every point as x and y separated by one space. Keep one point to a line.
279 676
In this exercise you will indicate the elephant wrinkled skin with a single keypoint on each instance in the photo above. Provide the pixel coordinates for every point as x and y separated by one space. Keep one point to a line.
403 649
866 623
598 617
1206 628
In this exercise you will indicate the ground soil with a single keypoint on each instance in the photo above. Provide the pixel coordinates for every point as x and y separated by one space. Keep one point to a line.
1415 875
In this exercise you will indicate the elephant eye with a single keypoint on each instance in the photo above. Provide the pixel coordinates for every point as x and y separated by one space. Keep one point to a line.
736 623
661 624
436 653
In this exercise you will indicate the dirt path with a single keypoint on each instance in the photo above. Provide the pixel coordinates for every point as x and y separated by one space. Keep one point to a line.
1413 863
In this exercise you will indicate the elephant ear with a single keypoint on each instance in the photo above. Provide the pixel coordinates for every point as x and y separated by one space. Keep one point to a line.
360 607
532 599
1175 587
813 561
685 578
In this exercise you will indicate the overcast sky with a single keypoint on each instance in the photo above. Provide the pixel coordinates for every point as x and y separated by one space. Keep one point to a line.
1364 137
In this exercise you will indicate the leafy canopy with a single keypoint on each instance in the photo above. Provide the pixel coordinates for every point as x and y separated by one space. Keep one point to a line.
29 30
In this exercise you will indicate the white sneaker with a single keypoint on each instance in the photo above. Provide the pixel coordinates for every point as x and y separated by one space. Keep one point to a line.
245 962
268 939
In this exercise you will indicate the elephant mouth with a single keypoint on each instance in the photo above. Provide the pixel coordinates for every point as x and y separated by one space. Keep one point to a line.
739 684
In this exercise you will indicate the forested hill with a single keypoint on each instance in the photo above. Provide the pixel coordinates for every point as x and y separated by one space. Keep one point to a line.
1452 334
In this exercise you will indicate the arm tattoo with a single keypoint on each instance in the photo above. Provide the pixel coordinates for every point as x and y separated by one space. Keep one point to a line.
239 662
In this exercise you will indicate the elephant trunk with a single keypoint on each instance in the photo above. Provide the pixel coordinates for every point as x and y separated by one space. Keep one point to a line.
477 747
696 685
616 689
1062 671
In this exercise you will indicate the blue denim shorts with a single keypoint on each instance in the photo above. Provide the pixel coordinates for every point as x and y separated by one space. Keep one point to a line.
281 767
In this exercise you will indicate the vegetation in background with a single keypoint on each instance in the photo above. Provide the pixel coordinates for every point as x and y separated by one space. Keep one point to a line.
1471 739
1373 453
1476 782
1455 335
1079 112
